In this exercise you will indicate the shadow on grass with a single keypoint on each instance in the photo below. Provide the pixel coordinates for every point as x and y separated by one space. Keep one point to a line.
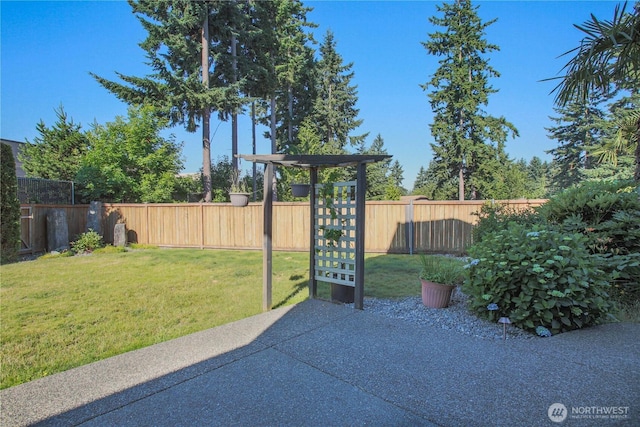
387 276
298 287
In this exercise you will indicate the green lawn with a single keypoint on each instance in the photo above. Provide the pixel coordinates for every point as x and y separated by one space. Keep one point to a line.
59 313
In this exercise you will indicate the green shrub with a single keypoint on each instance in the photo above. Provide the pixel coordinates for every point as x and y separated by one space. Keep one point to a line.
110 249
87 242
608 215
594 202
537 277
9 207
51 255
493 217
142 246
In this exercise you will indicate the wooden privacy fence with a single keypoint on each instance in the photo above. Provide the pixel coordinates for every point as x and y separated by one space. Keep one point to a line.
391 227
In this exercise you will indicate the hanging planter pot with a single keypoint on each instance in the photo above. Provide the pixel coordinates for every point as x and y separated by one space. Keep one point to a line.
239 199
300 190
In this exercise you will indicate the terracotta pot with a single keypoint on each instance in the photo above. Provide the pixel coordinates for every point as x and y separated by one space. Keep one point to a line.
300 190
436 295
239 199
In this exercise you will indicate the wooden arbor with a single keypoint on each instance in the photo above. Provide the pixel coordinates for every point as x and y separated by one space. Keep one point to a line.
313 163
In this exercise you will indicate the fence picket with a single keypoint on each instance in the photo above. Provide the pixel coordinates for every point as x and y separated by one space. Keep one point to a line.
437 226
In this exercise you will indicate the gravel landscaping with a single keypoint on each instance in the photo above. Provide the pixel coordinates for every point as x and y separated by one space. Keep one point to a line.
456 317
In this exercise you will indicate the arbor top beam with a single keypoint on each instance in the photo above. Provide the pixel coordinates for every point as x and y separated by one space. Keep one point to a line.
309 161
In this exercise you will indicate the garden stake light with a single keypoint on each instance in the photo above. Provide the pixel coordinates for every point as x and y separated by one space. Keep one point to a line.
505 321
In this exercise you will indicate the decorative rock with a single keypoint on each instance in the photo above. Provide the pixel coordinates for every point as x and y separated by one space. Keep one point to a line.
455 318
120 235
94 217
57 230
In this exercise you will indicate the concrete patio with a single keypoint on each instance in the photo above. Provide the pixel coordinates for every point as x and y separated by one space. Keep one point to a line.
321 364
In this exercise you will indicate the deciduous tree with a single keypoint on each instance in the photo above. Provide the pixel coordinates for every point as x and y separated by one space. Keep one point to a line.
129 161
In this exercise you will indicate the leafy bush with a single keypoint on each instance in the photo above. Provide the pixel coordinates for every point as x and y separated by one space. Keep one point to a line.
87 242
608 215
537 277
494 217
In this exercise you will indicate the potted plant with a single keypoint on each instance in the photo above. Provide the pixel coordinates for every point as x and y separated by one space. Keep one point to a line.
238 192
299 189
439 277
300 184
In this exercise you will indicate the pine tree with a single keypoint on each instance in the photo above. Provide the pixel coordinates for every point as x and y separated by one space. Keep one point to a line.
435 183
181 34
538 180
461 129
377 172
57 152
576 132
421 180
395 178
295 68
335 112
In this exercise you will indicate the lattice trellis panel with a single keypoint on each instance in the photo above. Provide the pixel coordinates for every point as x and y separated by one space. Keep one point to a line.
335 232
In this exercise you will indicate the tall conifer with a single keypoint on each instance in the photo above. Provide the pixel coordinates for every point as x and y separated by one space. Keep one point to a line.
464 134
335 112
180 36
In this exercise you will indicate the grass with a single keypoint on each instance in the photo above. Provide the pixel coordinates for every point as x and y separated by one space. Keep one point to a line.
61 312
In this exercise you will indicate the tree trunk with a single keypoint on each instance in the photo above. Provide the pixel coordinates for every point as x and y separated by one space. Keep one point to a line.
636 175
274 145
253 145
234 115
290 110
206 114
461 183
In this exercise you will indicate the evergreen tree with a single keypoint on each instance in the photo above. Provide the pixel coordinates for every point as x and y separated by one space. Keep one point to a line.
576 132
538 178
377 173
498 177
57 152
295 69
606 61
394 180
180 36
282 52
9 207
421 181
335 112
461 129
435 183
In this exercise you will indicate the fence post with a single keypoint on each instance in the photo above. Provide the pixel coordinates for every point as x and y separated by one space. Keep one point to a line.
408 218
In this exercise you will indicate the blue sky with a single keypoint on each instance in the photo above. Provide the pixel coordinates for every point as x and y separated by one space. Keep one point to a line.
49 48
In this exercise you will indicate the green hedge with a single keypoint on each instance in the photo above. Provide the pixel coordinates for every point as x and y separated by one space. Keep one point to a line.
9 207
